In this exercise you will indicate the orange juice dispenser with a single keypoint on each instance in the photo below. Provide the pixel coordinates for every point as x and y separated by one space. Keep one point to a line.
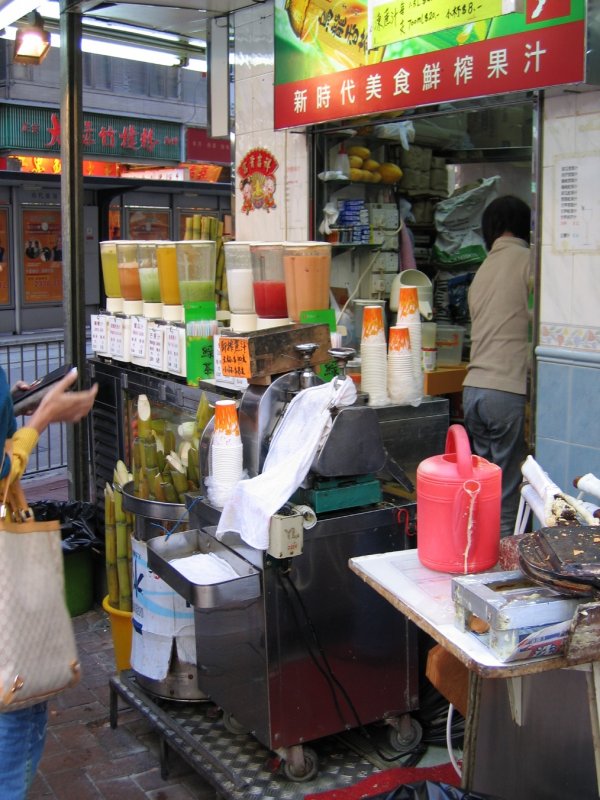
129 277
196 270
307 268
110 276
168 282
152 304
240 290
269 284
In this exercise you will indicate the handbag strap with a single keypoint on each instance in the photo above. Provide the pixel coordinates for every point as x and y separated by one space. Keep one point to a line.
14 503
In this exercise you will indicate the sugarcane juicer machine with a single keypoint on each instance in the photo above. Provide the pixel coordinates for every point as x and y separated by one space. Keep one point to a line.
298 648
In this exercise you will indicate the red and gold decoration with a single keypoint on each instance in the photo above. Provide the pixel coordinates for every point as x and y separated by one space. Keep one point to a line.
257 180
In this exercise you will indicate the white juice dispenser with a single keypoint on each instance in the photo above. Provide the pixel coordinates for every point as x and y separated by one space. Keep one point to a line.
240 289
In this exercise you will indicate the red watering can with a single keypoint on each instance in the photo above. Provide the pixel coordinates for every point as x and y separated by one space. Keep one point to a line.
458 508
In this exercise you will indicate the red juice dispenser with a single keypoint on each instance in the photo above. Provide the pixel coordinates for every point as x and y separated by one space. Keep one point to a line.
269 284
307 268
129 277
110 276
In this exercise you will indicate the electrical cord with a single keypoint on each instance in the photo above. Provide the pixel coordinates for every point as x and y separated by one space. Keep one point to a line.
286 583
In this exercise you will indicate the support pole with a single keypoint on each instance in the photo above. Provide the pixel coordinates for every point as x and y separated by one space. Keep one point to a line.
71 127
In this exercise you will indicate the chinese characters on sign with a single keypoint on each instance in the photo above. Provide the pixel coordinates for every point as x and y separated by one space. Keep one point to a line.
257 180
235 357
577 206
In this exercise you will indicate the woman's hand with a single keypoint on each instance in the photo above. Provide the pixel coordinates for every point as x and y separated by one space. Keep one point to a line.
61 405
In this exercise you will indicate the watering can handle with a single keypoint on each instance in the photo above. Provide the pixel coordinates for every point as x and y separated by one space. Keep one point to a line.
457 441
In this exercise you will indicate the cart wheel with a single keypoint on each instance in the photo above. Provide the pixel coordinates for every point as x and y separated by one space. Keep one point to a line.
231 724
405 740
305 773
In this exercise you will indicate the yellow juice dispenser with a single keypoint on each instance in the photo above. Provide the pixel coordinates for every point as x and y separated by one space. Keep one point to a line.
240 290
152 308
269 284
129 277
168 281
110 276
307 268
196 269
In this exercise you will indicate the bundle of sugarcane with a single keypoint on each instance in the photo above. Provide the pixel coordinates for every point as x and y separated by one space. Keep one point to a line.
118 530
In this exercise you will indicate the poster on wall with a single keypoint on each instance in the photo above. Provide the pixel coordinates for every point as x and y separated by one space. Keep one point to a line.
325 68
4 264
148 223
258 183
42 256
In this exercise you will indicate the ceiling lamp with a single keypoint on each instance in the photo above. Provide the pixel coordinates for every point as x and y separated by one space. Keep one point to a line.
32 42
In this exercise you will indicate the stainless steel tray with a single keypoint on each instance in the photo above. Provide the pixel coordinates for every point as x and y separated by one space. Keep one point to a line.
153 509
228 594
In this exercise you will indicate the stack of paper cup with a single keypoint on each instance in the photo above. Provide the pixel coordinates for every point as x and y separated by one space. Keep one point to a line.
401 384
226 453
408 315
373 356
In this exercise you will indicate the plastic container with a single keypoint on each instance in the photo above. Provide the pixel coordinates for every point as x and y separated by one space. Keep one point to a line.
196 269
110 276
269 280
168 281
121 627
79 581
449 341
129 270
148 272
240 290
307 268
458 508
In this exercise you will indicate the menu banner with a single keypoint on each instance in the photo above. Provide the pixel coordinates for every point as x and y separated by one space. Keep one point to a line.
325 69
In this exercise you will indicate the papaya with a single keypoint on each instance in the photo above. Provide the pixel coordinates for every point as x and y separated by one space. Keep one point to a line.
356 162
390 173
370 164
355 174
361 152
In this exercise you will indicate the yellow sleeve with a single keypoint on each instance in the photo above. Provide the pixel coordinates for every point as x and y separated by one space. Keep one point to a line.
23 442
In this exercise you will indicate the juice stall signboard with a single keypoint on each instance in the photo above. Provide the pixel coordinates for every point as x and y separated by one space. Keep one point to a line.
42 256
335 60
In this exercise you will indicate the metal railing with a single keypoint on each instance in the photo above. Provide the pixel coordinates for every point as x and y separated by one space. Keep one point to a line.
27 357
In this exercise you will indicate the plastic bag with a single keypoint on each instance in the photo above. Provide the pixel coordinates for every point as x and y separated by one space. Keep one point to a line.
431 790
77 522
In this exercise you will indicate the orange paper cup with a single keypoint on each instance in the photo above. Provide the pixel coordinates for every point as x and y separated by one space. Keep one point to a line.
372 322
399 339
408 302
226 418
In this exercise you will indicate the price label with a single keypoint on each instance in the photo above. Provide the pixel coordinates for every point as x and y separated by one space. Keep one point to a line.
156 345
174 350
139 337
116 343
235 357
99 332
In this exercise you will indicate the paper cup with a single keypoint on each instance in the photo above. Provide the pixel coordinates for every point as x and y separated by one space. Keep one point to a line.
399 338
372 324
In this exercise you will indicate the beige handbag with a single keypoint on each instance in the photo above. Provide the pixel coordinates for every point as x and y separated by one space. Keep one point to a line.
38 654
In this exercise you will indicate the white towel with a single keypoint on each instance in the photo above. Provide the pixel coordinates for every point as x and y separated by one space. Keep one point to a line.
296 442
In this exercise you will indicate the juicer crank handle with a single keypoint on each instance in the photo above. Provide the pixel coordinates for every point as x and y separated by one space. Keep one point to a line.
394 469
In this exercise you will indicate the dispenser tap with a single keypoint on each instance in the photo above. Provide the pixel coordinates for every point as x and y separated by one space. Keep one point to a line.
307 373
342 355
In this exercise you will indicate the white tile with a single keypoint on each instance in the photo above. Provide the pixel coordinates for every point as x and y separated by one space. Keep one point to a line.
588 103
585 300
243 106
556 287
562 105
547 206
587 135
559 139
262 100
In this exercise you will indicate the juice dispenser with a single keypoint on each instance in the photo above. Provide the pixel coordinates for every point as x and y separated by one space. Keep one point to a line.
110 276
129 277
240 290
149 280
168 281
269 284
196 269
307 267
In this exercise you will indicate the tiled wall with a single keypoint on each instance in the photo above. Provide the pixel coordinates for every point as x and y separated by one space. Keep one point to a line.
254 73
568 356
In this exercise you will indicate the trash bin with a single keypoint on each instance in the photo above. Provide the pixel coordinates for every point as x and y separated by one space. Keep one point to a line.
78 530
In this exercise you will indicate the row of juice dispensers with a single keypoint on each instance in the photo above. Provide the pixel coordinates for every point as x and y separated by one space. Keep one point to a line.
159 294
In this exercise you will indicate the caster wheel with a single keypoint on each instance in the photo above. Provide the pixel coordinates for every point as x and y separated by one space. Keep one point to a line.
405 740
231 724
305 773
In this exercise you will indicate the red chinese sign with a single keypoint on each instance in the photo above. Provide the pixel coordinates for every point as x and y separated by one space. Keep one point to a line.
4 274
257 184
199 146
513 53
